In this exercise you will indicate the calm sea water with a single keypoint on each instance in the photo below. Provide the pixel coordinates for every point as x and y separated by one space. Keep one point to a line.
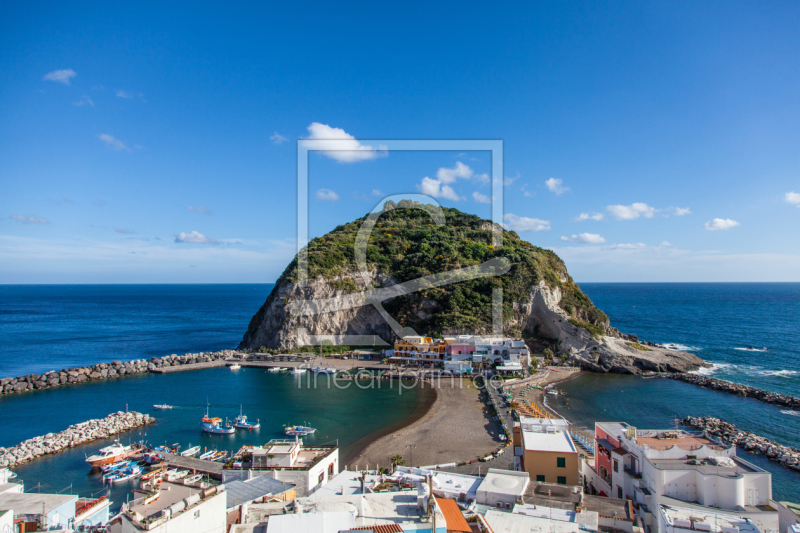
52 327
715 321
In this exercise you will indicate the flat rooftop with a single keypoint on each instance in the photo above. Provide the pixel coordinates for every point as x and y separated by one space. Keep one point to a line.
28 503
665 443
546 441
685 518
170 494
372 509
505 482
501 522
738 466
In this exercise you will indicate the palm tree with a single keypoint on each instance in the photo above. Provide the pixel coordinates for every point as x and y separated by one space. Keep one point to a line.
397 460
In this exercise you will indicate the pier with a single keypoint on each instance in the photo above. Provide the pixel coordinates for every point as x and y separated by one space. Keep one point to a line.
191 366
201 466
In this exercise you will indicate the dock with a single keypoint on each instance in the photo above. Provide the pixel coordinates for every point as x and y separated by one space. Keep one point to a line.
200 466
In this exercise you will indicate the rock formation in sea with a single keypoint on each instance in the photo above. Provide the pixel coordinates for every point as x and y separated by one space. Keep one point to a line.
541 303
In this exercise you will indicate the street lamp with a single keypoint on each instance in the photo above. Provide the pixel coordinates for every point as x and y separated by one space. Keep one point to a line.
411 459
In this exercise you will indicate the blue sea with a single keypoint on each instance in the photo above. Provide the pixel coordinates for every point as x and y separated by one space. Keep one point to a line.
49 327
716 321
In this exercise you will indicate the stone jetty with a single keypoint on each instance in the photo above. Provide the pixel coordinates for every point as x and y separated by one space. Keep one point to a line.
788 457
72 436
102 371
742 390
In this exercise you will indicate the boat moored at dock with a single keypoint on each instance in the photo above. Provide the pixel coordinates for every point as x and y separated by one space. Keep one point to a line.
299 431
110 454
241 422
191 452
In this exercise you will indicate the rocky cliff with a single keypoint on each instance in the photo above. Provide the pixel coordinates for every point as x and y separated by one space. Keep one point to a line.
540 301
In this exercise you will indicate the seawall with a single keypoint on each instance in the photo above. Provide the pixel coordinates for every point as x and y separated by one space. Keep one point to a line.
742 390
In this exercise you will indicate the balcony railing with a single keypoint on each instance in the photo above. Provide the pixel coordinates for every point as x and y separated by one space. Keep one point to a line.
632 473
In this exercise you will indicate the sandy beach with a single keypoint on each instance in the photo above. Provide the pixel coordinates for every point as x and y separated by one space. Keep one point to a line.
455 427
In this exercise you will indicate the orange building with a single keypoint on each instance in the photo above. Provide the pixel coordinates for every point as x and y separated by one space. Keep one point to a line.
419 350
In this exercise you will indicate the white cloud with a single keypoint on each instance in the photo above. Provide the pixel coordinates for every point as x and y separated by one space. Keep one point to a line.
435 189
346 149
124 94
60 76
113 143
202 209
33 219
793 198
556 186
481 198
680 211
377 192
85 100
450 175
194 237
585 238
518 223
720 223
589 216
277 138
326 195
665 243
631 212
632 246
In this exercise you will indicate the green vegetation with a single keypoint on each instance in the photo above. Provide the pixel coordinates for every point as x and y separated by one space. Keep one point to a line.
594 329
548 355
406 244
638 346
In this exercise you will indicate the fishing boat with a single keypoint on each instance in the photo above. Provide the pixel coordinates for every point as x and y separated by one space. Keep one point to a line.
191 452
235 366
167 449
242 423
113 467
297 371
124 474
300 431
207 455
219 456
110 454
154 475
175 474
274 369
193 479
162 406
214 425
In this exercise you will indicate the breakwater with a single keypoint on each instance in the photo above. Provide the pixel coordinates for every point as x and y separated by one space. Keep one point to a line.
788 457
742 390
102 371
72 436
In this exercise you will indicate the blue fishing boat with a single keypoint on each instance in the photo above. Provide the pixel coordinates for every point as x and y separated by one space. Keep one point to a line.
214 425
242 423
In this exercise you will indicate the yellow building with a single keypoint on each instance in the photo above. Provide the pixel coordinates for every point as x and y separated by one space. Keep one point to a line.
419 350
544 449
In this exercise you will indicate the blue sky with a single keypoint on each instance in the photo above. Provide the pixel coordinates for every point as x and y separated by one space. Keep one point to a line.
149 143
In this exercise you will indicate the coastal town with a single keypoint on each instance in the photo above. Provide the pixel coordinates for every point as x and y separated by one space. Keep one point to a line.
489 454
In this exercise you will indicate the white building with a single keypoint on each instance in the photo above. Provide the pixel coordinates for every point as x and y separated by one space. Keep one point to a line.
674 467
307 467
177 508
502 488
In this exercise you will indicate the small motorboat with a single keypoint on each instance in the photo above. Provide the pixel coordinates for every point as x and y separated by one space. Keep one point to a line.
154 475
191 452
297 371
242 423
207 455
300 431
274 369
167 449
235 366
162 406
175 474
219 456
123 475
113 467
197 478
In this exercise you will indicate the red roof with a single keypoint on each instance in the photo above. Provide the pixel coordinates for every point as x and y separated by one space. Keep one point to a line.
452 515
386 528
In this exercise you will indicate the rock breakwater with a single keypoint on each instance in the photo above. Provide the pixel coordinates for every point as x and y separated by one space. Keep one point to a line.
102 371
788 457
742 390
72 436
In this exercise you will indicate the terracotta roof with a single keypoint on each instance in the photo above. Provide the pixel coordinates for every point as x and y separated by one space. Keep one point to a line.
452 515
385 528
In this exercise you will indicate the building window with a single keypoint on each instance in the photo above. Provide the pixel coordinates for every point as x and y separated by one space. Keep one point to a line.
562 480
619 492
321 476
330 470
540 478
616 466
197 514
561 462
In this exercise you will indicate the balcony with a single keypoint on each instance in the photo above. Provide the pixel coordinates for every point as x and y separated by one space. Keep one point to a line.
632 473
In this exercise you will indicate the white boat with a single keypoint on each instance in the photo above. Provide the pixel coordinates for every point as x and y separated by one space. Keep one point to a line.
193 479
162 406
124 474
191 452
207 455
110 454
235 366
324 370
274 369
298 370
175 475
299 431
